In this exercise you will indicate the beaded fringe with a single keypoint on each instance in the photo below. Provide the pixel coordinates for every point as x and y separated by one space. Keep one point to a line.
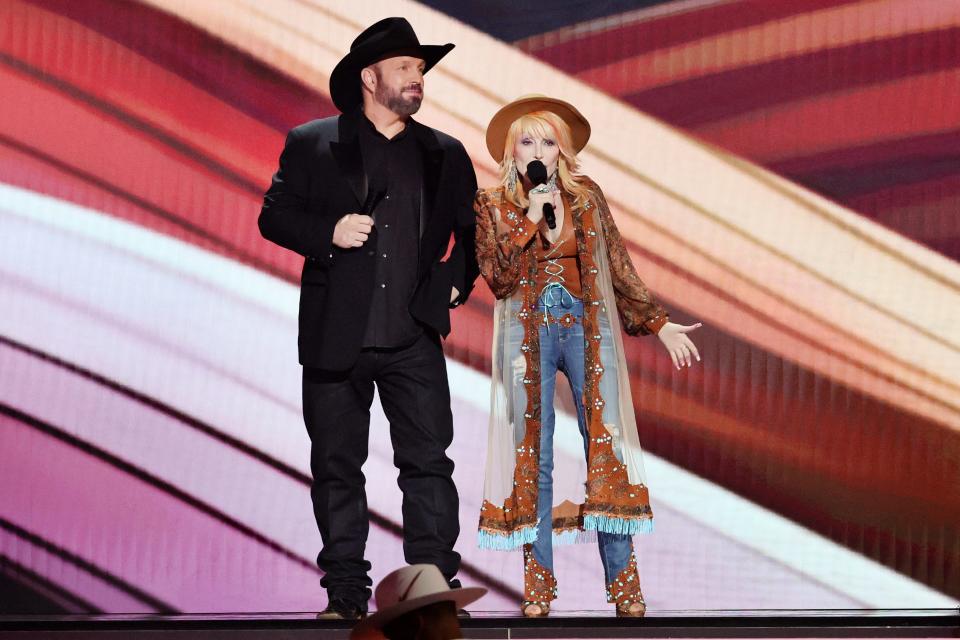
574 536
630 527
508 542
592 525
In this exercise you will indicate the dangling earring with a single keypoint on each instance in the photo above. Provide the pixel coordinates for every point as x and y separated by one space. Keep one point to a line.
512 177
553 178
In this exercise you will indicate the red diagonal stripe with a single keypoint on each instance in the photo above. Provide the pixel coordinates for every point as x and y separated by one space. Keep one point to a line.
601 47
730 93
210 63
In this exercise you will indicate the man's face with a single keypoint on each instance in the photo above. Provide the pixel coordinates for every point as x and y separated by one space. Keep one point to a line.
400 84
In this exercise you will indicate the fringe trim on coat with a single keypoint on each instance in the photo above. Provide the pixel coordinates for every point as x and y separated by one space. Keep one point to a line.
608 524
574 536
509 542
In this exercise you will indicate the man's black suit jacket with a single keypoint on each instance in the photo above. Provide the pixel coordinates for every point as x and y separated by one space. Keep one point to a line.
321 178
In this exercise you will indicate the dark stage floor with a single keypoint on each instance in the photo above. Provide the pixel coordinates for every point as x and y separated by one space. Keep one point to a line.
879 623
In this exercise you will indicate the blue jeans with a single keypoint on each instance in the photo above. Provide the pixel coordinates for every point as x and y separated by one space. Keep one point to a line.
561 348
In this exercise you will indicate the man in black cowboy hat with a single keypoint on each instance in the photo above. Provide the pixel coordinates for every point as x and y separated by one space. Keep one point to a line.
370 198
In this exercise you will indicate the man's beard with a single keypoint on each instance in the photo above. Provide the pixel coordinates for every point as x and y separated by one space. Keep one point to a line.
396 102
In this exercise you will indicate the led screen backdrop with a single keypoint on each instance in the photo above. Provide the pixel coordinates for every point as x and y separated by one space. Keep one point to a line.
785 172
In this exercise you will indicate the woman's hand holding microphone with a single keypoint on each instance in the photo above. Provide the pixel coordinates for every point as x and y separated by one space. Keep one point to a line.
539 196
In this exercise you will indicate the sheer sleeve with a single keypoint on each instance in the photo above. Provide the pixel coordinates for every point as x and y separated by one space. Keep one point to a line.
639 312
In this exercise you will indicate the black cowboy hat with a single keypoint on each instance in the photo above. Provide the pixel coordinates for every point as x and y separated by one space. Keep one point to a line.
390 35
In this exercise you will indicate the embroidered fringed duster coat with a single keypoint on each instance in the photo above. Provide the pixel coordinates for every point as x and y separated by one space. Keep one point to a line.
611 493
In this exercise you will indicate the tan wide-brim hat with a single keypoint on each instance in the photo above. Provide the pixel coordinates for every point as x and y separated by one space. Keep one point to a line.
502 119
410 588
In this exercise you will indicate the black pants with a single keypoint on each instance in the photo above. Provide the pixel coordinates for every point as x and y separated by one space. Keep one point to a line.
415 395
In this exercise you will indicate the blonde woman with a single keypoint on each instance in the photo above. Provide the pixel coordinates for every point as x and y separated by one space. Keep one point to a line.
557 290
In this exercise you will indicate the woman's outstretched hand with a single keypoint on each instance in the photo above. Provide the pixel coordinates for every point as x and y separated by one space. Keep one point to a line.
679 346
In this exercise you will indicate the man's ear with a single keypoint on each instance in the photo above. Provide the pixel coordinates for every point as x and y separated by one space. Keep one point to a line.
368 78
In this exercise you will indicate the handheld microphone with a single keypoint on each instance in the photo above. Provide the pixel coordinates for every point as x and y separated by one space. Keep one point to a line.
537 174
376 189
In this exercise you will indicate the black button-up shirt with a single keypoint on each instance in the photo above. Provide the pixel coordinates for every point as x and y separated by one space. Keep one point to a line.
395 165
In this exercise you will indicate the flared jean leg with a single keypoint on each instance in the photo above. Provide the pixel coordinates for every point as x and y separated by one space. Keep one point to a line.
549 355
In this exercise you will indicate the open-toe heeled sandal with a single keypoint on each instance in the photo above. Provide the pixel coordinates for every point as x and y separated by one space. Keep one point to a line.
527 604
625 591
539 585
624 609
